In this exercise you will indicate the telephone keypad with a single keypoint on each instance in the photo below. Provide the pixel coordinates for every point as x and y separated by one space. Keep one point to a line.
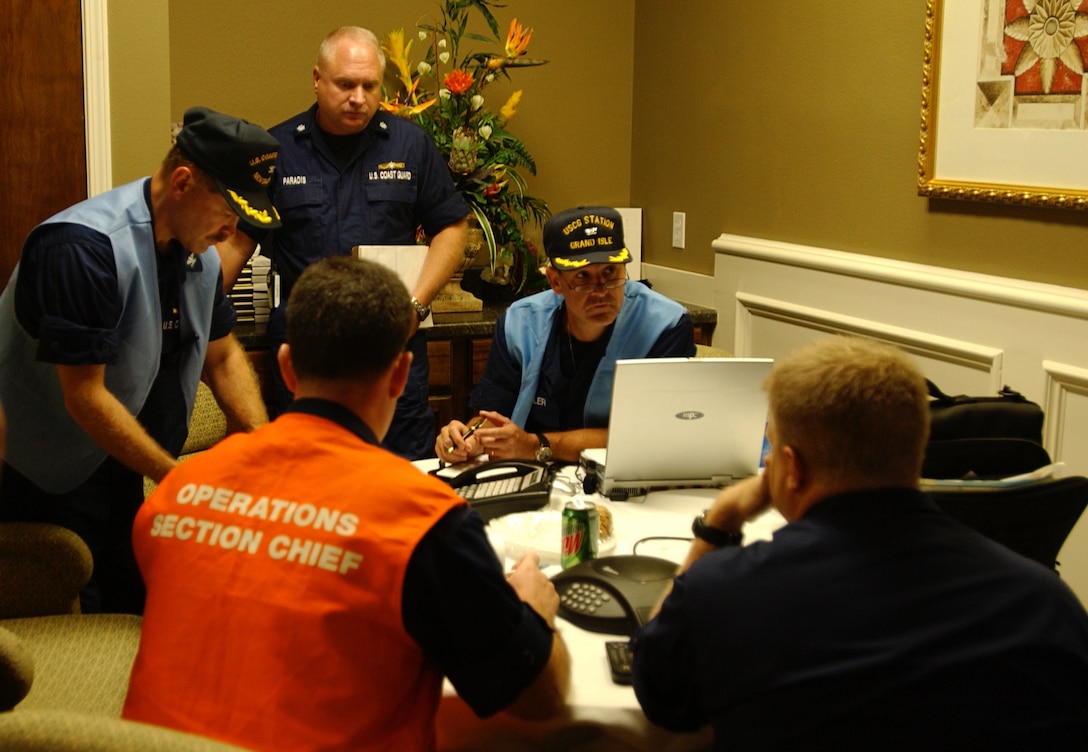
500 486
585 598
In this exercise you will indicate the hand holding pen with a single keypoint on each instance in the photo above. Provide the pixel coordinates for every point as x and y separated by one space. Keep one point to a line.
452 445
476 424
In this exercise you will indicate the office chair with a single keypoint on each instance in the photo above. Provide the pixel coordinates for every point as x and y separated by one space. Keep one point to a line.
81 662
1032 520
16 670
982 458
42 568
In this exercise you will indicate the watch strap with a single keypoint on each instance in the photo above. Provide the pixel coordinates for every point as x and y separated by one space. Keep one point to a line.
544 453
715 536
422 311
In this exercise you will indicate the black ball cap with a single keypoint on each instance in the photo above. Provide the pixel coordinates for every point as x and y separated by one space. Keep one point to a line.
239 156
587 235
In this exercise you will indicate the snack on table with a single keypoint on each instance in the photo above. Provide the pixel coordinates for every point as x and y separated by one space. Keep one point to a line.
605 529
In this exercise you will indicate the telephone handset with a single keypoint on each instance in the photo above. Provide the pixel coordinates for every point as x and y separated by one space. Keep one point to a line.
500 487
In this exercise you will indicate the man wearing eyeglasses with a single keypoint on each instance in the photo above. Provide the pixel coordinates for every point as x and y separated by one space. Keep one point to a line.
546 391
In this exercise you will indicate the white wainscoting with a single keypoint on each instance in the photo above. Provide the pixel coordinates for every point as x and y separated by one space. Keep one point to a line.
971 333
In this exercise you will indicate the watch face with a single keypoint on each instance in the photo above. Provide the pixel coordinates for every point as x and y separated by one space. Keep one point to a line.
544 454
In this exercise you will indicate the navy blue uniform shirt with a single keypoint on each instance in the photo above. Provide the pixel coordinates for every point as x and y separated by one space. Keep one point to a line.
387 184
333 193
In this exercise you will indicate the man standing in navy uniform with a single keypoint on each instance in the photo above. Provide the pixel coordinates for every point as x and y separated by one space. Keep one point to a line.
347 175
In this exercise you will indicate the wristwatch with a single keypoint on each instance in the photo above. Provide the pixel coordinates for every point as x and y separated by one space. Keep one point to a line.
544 453
715 536
422 311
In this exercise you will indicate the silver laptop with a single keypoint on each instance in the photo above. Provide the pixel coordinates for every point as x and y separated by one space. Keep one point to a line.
685 422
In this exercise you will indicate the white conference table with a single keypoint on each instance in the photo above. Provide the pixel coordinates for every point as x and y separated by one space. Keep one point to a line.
602 715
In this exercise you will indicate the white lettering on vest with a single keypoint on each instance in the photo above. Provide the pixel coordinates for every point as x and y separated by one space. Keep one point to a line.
313 554
284 548
242 504
227 537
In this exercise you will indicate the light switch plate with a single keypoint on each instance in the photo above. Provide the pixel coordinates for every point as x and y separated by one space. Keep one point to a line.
679 222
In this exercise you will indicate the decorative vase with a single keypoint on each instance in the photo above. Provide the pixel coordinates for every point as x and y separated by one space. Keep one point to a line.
452 298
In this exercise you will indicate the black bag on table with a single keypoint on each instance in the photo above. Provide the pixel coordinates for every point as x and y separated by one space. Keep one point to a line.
983 437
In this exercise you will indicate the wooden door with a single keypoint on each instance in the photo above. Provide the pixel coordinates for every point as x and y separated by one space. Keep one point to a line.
43 152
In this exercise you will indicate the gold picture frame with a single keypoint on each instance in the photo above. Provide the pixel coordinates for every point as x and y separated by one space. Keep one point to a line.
998 140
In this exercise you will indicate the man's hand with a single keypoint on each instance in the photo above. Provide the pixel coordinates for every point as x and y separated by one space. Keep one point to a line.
533 587
735 505
451 445
503 439
738 503
498 436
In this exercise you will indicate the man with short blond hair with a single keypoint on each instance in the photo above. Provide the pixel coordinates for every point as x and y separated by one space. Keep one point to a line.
872 620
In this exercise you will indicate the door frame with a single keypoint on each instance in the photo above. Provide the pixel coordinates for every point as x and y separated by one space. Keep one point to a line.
96 96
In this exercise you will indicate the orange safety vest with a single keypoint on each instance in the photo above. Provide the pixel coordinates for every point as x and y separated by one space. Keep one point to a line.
274 566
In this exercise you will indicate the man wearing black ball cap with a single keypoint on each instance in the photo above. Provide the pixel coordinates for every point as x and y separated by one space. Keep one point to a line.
114 312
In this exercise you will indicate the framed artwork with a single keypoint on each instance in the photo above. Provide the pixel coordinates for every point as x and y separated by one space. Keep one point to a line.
1005 102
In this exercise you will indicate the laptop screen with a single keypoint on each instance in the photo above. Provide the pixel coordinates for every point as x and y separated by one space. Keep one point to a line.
685 422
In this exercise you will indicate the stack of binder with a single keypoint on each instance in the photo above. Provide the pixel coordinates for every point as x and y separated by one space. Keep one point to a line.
250 297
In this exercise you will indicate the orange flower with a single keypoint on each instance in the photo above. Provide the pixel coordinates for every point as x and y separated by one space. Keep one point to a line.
458 81
517 39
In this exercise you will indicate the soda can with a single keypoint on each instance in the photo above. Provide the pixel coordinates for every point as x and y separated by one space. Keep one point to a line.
581 524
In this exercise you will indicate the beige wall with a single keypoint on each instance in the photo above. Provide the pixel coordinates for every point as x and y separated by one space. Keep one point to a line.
139 47
799 121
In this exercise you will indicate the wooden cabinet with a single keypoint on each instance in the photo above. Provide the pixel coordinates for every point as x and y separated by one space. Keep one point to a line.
456 367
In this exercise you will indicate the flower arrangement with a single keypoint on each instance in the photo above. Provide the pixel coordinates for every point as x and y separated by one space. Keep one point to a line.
444 93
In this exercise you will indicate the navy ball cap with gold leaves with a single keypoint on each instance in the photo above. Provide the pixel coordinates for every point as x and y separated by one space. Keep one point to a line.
585 235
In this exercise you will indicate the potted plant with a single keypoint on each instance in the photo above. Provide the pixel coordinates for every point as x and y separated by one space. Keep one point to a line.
445 94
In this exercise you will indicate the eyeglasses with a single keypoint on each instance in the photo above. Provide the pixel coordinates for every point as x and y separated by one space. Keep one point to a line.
586 289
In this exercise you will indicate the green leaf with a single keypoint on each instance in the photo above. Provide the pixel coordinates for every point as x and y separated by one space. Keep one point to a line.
489 235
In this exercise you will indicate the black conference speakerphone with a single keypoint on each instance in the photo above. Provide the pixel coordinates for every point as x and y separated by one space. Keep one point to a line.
613 594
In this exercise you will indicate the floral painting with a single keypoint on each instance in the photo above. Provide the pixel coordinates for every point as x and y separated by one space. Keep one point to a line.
1005 102
1031 64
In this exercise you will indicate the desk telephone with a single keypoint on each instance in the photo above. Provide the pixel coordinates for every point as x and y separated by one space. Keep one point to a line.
613 594
500 487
